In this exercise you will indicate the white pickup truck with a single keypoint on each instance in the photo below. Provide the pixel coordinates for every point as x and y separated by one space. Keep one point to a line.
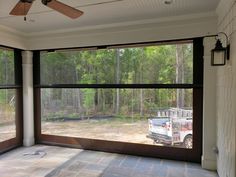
172 127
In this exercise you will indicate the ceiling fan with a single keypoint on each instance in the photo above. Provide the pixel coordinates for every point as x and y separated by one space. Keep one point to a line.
23 6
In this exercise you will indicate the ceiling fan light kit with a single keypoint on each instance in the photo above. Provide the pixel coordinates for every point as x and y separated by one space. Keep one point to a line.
23 6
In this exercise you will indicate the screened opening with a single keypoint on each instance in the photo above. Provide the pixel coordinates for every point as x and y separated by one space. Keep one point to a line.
10 98
162 64
7 67
143 99
7 114
98 94
125 115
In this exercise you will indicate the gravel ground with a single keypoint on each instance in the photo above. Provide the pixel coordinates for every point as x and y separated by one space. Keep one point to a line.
7 132
114 130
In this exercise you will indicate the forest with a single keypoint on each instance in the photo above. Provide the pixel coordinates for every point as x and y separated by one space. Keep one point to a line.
159 64
7 78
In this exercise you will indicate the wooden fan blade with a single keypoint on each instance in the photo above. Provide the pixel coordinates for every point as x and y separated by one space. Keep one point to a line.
65 9
21 8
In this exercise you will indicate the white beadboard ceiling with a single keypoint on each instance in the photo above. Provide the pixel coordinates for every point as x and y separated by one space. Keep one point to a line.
99 12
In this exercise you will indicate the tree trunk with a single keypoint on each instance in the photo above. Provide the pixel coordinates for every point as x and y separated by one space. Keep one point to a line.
141 102
78 100
141 81
103 100
78 94
180 75
117 81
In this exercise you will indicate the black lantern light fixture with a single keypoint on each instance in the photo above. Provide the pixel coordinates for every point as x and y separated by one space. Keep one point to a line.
220 54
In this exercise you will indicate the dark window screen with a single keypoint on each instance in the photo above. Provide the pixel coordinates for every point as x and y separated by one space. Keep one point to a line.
7 70
160 64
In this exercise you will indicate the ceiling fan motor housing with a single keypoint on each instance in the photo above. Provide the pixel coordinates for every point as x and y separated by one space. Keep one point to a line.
45 2
28 1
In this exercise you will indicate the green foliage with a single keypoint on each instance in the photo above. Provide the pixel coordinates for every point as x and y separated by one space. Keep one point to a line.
7 76
139 65
2 98
6 67
88 98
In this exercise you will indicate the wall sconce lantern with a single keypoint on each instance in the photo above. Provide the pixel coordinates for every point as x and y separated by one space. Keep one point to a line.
220 54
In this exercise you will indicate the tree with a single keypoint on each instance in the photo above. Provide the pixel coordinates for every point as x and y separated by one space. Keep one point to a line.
117 81
180 75
164 64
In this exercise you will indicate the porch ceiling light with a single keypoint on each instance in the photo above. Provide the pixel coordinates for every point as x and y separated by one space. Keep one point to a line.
220 54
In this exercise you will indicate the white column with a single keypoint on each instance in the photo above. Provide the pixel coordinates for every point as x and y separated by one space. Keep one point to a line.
28 109
209 108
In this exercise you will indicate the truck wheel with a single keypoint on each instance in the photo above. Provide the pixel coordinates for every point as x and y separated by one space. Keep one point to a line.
188 142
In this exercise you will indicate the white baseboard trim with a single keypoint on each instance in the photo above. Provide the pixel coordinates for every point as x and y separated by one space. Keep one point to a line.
209 164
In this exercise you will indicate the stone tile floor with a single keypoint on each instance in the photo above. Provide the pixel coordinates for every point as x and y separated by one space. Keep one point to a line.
51 161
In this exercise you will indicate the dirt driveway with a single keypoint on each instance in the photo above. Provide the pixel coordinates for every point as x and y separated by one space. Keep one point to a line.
7 132
113 130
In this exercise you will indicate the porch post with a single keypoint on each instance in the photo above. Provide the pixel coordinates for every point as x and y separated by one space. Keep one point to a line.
28 116
209 109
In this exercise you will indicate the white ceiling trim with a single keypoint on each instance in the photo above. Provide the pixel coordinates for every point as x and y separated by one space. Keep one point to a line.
28 40
163 21
12 31
12 38
156 33
181 29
